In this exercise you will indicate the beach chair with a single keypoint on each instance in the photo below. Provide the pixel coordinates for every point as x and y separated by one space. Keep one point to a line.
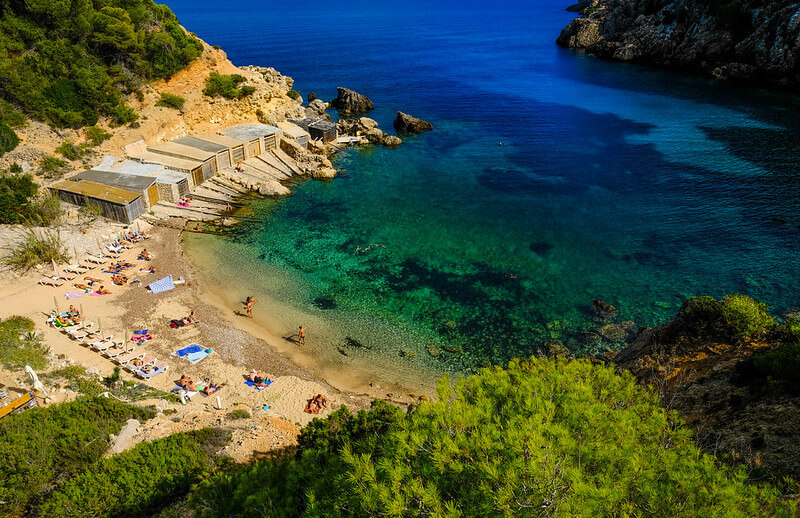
118 349
76 268
124 359
157 369
101 345
95 260
55 282
116 249
130 367
76 333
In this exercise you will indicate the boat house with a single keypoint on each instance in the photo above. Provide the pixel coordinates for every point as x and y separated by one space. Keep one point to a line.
318 129
207 159
257 138
114 203
145 186
171 185
294 132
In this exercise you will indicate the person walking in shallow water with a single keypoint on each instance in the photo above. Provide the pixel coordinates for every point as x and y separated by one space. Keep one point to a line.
301 336
248 305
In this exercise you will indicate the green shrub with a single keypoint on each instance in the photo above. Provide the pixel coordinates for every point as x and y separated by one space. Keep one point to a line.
540 438
734 318
71 372
52 167
44 446
226 86
12 116
96 135
37 248
45 211
20 345
238 414
8 139
294 94
775 369
70 151
16 192
171 101
139 481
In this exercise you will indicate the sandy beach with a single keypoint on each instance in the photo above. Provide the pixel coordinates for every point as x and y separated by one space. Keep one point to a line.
239 344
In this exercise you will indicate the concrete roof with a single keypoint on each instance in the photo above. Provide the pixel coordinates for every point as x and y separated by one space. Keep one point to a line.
114 164
205 145
170 176
221 140
129 182
180 164
293 130
98 191
181 151
248 132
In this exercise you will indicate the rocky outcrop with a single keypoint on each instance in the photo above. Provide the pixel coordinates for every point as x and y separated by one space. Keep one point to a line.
367 128
737 39
405 123
698 379
350 102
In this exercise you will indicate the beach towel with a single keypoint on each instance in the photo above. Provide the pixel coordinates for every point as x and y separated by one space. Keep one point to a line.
73 295
96 294
141 338
164 284
140 332
196 356
191 348
253 384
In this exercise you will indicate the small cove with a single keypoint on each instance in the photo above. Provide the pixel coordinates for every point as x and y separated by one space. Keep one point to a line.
631 185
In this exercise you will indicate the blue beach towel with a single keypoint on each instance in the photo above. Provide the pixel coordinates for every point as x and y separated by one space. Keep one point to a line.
164 284
195 357
140 332
253 384
189 349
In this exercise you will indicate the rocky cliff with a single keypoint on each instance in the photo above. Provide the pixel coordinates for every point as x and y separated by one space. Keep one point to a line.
745 40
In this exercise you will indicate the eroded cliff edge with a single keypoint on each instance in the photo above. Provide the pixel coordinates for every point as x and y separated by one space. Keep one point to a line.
745 40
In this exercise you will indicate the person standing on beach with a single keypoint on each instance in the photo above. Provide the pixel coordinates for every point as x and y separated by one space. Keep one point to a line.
249 305
301 336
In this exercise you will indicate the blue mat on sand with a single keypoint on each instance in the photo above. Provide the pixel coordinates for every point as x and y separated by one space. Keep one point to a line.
253 384
189 350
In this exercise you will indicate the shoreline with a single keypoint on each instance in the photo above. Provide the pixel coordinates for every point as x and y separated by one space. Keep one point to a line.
354 378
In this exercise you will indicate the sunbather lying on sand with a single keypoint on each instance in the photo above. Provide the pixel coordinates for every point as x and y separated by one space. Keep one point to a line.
211 388
82 287
189 319
144 254
92 280
148 270
259 380
185 381
316 404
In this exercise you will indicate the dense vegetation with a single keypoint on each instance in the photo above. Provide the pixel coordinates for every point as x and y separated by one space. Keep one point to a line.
20 345
138 481
540 438
227 86
69 61
732 319
43 447
775 369
19 202
8 138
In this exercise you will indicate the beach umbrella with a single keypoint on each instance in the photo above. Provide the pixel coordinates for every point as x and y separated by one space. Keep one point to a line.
35 380
83 316
55 302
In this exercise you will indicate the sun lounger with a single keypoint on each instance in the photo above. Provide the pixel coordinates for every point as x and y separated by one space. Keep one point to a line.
51 282
95 260
77 333
125 359
158 369
115 249
76 268
103 344
133 368
118 349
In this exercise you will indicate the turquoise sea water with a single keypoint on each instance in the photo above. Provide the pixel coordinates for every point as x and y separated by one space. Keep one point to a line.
551 179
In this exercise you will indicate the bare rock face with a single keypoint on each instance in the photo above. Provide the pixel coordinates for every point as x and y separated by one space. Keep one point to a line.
407 124
738 40
349 101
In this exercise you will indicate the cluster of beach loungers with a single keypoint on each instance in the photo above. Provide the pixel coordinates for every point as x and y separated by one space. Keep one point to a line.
107 258
131 358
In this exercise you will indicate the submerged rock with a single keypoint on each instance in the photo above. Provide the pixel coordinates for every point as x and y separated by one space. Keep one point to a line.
349 101
604 309
409 124
392 141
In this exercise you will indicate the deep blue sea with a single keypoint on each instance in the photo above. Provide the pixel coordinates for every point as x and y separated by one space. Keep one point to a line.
551 179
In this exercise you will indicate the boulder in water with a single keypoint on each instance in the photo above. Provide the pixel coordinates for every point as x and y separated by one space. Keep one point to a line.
349 101
409 124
